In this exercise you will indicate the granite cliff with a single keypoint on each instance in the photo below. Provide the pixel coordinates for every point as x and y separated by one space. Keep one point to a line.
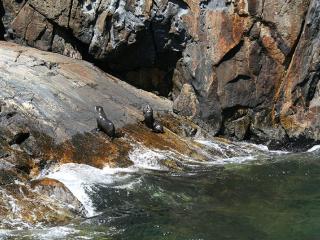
249 68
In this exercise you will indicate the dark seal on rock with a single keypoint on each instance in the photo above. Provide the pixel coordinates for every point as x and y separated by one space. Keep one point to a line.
149 120
157 127
104 124
148 116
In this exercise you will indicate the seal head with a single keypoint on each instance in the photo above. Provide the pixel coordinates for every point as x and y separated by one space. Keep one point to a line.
103 123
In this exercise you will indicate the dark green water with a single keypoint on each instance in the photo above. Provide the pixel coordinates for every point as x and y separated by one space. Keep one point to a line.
278 198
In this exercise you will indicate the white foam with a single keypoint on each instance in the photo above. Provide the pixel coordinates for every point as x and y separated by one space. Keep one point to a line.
261 147
79 179
56 233
278 152
314 148
235 160
146 158
75 178
209 144
40 234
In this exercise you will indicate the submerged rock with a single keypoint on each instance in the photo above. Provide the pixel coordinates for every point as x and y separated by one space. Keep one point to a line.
21 205
58 192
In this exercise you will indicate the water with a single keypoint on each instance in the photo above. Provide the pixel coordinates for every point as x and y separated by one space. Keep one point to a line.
263 196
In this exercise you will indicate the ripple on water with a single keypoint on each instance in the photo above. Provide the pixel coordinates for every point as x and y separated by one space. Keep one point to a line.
82 180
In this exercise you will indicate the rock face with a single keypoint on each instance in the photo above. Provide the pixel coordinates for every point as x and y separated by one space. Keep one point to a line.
47 109
106 31
299 92
186 103
47 119
253 64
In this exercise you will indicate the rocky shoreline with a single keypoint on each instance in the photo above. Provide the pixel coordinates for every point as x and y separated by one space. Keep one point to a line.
245 70
47 119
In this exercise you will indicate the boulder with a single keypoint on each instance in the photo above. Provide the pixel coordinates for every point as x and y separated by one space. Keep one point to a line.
57 192
21 204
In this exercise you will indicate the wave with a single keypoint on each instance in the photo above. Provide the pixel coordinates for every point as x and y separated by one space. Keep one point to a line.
314 148
81 179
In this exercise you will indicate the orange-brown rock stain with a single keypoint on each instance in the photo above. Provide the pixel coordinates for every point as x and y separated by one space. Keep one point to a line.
94 149
34 208
47 182
176 124
98 150
167 141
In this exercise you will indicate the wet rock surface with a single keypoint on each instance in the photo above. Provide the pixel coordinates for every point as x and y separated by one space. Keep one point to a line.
43 126
244 69
22 206
58 192
47 119
259 58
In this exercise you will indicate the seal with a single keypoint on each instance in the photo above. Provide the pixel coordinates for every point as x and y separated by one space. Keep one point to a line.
104 124
157 127
148 116
149 120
